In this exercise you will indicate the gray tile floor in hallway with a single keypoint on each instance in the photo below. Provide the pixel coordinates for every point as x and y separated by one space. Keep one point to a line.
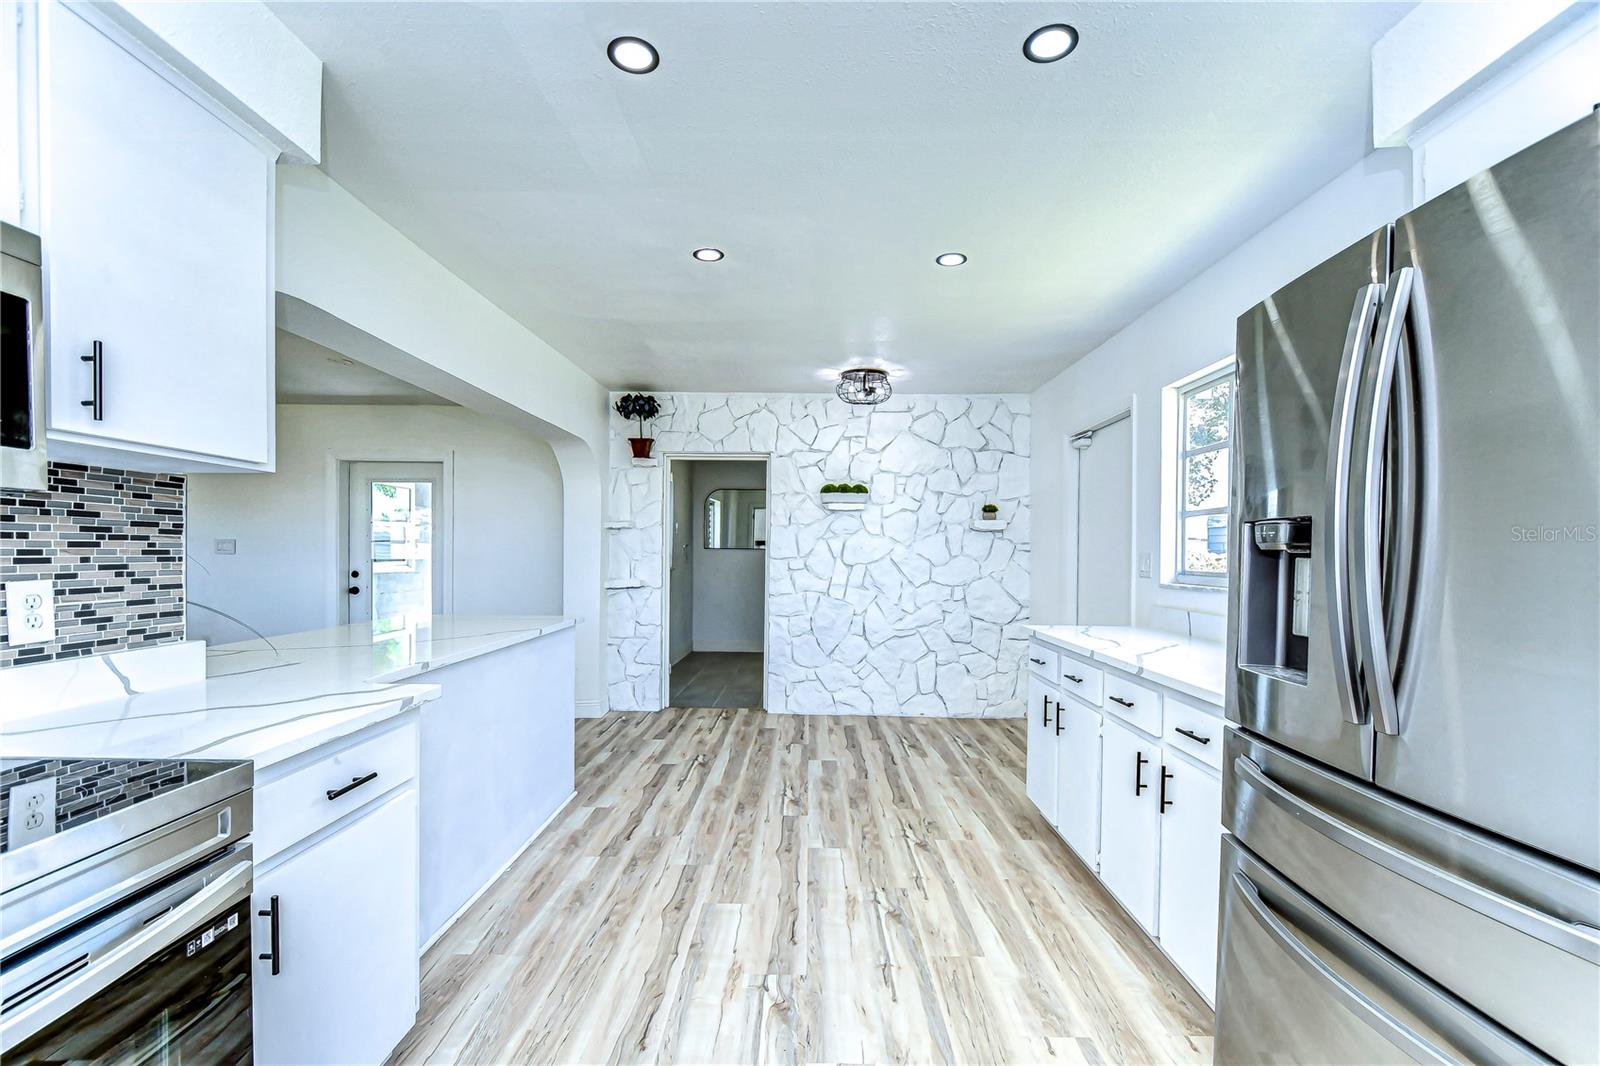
717 679
731 886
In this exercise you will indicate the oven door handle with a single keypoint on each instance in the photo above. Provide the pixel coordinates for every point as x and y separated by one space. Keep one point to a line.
124 958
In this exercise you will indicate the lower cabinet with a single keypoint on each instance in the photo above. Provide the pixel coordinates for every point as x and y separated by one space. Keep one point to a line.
341 985
1129 820
1044 704
1191 855
1078 779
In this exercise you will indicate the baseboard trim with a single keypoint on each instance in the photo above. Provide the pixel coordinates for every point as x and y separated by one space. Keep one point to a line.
589 709
498 874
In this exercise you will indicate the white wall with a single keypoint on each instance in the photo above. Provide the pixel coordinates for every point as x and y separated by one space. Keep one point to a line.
901 608
506 528
729 583
681 541
1185 332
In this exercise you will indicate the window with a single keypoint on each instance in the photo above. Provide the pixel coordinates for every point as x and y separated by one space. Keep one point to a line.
1201 465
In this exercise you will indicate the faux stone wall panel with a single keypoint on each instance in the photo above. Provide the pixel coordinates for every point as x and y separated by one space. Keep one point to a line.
113 543
900 609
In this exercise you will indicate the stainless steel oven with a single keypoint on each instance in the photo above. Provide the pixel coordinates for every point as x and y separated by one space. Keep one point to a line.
125 931
22 412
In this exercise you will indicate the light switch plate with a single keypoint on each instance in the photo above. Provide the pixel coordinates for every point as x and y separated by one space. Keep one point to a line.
30 612
1145 567
33 811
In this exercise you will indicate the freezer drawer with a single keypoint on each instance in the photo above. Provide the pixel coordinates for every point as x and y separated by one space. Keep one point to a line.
1500 927
1296 984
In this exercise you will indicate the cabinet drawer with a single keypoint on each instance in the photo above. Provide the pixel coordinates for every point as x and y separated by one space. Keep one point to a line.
297 804
1134 702
1082 680
1193 731
1043 661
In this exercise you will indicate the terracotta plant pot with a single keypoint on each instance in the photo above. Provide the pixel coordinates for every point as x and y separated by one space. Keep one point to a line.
641 446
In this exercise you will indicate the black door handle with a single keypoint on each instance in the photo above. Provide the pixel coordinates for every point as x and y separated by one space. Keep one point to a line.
354 590
274 953
97 393
355 783
1166 775
1138 773
1196 737
1119 699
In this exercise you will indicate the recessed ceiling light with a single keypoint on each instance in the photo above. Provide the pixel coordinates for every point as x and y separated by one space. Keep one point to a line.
707 255
1050 43
633 54
950 259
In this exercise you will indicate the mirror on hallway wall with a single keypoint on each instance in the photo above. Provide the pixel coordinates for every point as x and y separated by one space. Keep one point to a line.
736 518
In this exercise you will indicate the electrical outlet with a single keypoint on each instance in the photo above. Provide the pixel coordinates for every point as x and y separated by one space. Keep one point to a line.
226 546
30 612
33 811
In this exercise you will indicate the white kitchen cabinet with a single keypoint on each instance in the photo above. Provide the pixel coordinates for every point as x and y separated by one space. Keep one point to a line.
346 987
1129 822
1044 700
1078 779
1191 851
157 225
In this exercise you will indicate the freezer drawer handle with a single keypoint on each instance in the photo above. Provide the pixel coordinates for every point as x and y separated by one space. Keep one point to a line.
1196 737
1571 937
1341 446
1398 1033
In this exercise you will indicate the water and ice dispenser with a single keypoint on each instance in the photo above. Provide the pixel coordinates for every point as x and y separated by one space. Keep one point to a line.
1275 597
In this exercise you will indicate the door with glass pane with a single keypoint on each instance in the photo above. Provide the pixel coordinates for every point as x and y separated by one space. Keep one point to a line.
396 554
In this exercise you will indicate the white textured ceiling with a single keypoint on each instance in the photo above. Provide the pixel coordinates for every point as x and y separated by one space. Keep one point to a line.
832 150
307 372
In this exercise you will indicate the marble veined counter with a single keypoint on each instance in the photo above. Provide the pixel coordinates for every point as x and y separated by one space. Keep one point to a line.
265 700
1194 667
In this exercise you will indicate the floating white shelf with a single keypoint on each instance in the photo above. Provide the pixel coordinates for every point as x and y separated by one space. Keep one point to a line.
625 583
619 525
844 501
984 525
647 462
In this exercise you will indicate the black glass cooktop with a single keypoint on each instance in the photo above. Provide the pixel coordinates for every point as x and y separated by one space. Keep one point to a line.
40 798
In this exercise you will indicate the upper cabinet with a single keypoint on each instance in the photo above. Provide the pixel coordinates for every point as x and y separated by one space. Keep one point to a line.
156 212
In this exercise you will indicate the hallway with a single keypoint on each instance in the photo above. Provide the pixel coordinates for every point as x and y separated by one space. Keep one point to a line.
717 679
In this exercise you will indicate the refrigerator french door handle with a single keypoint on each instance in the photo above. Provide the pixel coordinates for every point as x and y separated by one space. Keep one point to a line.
1572 937
1341 448
1377 666
1359 1003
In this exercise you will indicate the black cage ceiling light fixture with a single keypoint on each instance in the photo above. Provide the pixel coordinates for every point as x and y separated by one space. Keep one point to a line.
864 385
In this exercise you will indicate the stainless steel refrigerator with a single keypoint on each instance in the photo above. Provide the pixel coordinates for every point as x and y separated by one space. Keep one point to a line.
1412 793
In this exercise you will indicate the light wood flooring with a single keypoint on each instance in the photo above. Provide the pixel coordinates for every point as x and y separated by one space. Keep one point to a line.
736 887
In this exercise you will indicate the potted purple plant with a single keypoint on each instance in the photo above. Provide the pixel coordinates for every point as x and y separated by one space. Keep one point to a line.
644 407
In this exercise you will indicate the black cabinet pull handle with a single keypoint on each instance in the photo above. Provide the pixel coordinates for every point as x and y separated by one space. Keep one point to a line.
1196 737
1074 678
97 400
1046 718
1119 699
1166 775
1059 722
355 783
274 954
1138 773
1036 662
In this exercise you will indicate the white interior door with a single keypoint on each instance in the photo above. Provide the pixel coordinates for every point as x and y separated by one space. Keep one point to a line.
1105 524
396 555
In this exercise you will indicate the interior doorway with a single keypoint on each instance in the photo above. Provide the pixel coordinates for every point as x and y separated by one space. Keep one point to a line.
1104 522
716 609
395 532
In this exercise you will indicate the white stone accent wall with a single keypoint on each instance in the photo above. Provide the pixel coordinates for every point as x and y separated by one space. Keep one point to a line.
900 609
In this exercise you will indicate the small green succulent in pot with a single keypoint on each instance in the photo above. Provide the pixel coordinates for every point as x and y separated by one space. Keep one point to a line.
830 487
858 488
641 406
991 512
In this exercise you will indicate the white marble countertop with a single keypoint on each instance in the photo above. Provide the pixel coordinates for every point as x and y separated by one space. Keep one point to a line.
259 702
1194 667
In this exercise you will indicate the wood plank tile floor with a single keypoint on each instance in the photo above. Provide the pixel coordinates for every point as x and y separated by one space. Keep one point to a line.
735 887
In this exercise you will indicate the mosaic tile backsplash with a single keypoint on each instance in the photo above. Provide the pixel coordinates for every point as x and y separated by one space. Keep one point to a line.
86 788
113 542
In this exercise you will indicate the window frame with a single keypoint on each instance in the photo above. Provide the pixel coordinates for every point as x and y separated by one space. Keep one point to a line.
1179 453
